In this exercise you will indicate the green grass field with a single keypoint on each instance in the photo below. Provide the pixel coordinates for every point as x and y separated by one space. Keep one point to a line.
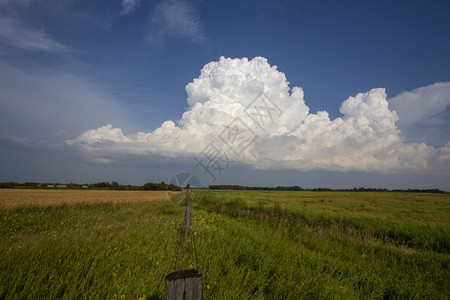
250 245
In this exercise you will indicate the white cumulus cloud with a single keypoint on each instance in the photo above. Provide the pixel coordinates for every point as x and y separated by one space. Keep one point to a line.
246 110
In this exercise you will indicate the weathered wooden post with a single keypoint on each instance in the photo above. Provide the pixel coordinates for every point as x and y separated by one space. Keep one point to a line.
185 284
187 213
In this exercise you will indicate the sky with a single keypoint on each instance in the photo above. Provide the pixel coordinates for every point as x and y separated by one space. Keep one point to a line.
319 94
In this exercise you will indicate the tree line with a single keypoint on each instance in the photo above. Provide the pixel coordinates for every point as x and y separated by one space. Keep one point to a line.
162 186
297 188
241 187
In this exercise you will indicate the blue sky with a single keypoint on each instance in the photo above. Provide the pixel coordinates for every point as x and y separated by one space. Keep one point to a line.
71 68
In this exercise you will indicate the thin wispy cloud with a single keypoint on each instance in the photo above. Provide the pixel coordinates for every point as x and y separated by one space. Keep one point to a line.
5 3
174 18
129 6
14 33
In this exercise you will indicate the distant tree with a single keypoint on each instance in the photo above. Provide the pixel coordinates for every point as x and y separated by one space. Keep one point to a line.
102 184
162 186
8 185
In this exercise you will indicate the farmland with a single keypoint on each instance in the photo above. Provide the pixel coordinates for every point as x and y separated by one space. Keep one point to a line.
12 198
250 244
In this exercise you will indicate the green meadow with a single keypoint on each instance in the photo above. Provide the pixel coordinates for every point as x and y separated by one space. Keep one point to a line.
250 245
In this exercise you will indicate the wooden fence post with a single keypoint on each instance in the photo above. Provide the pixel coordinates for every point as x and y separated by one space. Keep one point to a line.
184 285
188 213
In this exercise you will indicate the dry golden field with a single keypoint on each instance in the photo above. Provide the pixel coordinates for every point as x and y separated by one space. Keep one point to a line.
12 198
